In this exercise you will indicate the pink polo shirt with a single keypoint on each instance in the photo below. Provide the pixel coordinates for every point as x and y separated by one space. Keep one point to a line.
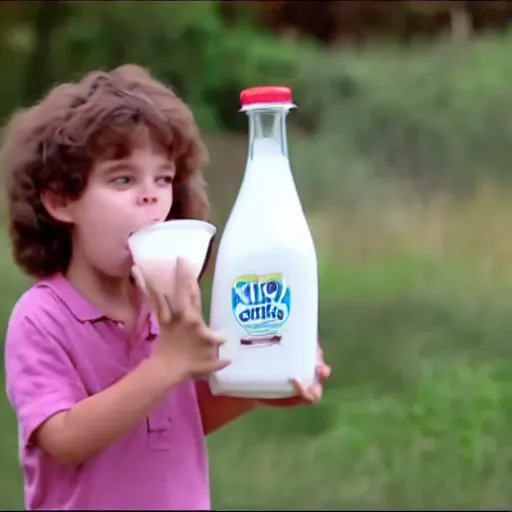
59 350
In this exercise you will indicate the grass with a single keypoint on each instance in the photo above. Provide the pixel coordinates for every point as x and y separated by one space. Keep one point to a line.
415 320
416 415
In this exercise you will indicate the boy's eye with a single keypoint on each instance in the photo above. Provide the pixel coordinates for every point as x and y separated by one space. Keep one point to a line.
121 180
167 179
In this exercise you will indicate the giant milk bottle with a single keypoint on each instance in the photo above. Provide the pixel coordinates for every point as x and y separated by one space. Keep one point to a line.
265 288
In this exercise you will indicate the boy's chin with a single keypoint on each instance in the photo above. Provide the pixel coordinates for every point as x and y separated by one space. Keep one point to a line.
126 271
122 270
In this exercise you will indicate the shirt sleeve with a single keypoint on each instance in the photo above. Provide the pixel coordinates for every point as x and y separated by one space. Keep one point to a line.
41 378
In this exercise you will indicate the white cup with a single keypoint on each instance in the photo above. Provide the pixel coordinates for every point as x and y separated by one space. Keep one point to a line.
165 242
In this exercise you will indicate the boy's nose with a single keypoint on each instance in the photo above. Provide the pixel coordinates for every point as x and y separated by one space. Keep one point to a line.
147 193
149 199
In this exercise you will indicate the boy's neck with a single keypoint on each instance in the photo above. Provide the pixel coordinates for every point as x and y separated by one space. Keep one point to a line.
118 298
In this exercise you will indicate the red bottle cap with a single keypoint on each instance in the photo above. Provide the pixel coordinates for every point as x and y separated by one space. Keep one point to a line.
267 94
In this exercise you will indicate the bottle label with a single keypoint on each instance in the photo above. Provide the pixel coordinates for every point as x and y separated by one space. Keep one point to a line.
261 305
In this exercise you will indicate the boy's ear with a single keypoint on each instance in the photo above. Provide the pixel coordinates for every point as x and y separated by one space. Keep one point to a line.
57 206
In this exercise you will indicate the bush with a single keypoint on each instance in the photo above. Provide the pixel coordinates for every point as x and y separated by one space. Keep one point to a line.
437 114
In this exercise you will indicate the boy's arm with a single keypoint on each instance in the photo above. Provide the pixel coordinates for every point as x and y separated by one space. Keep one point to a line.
93 424
217 411
54 409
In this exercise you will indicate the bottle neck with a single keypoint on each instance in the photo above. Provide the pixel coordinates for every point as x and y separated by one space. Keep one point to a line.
267 132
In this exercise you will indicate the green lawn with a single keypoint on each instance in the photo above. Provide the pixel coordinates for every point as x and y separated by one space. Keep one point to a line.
417 413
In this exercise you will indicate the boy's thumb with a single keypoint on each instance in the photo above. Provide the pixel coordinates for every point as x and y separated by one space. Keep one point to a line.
158 301
140 280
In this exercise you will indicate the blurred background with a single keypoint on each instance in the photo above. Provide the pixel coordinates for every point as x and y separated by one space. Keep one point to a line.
401 149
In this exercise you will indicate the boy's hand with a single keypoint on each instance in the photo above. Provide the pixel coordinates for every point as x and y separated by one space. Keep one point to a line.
305 395
186 348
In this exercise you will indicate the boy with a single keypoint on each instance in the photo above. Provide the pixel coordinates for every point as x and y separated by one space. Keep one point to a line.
106 385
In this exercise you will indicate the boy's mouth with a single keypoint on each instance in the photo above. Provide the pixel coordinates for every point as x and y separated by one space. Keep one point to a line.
145 226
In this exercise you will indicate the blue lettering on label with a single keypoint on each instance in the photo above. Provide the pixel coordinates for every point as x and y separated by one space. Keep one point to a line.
261 304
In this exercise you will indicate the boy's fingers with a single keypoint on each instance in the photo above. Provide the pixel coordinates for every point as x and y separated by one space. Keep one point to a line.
178 299
216 365
158 301
139 278
310 395
323 372
193 291
216 338
164 308
188 293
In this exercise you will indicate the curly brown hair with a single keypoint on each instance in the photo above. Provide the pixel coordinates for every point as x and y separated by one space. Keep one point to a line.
53 146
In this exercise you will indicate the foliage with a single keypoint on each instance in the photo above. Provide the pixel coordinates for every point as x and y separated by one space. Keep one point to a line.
421 112
414 294
437 115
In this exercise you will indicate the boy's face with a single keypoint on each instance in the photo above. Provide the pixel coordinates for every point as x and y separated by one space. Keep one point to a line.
121 197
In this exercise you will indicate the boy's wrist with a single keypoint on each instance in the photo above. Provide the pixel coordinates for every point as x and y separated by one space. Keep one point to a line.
161 374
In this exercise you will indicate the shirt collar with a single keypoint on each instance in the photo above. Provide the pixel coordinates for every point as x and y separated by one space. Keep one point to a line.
82 309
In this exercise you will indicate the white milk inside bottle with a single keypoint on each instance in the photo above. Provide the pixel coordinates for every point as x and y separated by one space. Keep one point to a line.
265 288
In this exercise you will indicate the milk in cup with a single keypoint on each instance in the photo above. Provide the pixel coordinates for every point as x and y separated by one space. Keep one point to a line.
265 288
156 248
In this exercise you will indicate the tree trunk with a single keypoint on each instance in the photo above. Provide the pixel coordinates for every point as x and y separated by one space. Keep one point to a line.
38 74
460 22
